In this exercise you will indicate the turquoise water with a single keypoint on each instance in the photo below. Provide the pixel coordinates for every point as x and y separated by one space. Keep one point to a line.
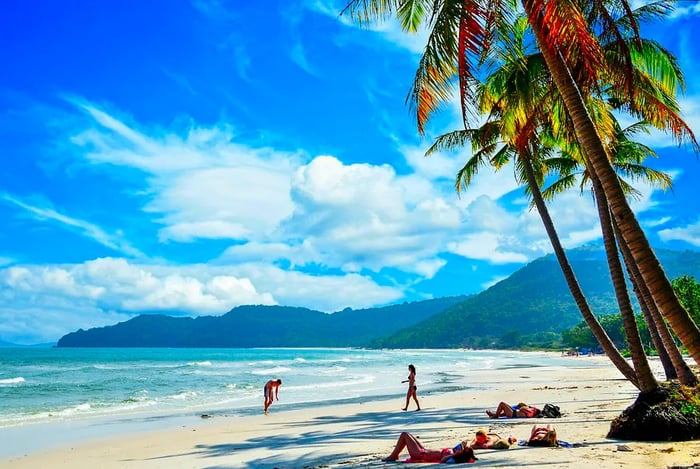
43 385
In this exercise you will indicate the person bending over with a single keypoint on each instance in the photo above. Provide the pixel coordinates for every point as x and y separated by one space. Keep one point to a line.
272 386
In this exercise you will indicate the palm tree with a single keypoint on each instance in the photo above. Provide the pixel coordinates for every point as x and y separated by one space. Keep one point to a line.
627 156
657 327
549 33
461 33
516 109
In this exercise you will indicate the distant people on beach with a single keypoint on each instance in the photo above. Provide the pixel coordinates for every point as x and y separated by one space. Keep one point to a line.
418 453
412 388
484 440
271 388
520 410
543 436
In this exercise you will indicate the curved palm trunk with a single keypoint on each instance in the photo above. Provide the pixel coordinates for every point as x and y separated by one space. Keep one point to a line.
669 368
645 377
598 332
664 358
656 324
633 235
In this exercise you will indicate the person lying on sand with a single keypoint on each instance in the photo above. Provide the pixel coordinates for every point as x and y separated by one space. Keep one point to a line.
521 410
543 436
485 440
459 454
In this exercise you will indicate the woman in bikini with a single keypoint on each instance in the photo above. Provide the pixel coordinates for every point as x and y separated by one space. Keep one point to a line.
521 410
543 436
484 440
412 388
419 453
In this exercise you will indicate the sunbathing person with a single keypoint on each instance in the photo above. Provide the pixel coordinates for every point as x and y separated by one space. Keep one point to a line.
485 440
419 453
521 410
543 436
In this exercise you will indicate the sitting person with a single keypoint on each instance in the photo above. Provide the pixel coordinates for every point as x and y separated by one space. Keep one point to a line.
460 453
543 436
521 410
485 440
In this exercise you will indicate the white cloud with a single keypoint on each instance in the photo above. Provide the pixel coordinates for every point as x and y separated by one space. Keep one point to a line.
389 29
354 216
689 233
682 9
327 293
203 185
486 246
82 227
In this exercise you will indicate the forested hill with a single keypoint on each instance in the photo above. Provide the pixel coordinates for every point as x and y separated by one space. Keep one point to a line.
261 326
529 304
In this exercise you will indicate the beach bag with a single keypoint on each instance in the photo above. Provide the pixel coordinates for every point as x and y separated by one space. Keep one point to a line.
550 411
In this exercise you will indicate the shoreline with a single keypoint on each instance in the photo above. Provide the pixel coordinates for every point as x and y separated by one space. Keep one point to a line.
360 434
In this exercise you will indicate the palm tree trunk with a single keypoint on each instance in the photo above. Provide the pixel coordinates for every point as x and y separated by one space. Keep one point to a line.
646 380
598 332
632 233
664 358
656 323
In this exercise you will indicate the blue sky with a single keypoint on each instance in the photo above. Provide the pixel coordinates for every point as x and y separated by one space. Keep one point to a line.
186 157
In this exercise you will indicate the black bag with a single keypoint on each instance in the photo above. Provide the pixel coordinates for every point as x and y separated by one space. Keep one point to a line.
551 411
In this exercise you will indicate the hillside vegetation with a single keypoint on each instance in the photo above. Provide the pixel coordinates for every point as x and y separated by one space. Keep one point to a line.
531 307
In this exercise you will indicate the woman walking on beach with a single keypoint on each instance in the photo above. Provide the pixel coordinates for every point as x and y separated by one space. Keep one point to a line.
412 388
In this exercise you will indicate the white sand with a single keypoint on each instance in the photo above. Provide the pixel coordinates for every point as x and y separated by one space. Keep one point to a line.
359 435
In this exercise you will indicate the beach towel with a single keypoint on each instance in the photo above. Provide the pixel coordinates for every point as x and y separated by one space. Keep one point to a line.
465 457
562 443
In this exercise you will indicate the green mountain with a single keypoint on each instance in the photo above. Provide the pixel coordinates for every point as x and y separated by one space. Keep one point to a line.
530 304
261 326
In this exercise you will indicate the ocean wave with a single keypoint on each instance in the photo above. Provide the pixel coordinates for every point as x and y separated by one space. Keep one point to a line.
73 410
336 384
271 371
11 381
332 370
204 363
182 396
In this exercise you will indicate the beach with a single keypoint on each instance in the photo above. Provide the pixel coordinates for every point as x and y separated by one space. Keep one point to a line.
360 434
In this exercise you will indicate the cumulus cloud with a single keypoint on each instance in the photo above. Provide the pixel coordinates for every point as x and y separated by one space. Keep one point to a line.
689 233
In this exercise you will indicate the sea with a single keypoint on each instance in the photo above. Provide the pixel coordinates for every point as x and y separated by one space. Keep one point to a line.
54 396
